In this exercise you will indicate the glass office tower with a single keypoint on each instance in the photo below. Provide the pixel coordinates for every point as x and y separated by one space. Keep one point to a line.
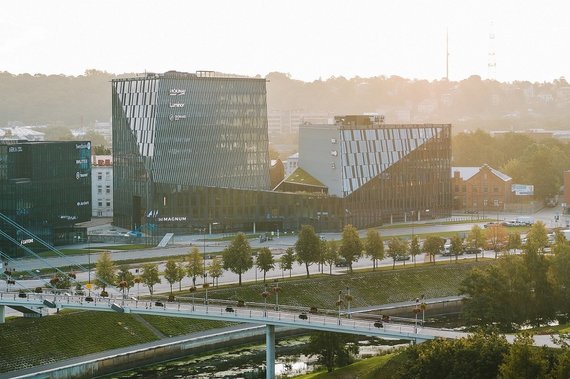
45 187
190 152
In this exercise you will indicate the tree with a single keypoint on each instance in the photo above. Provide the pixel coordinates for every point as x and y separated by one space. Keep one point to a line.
350 245
477 357
215 270
397 249
332 255
496 236
456 246
195 265
333 349
323 250
150 277
523 360
171 274
433 245
476 239
286 261
374 247
415 248
237 256
181 273
307 247
538 236
105 271
125 279
514 241
265 261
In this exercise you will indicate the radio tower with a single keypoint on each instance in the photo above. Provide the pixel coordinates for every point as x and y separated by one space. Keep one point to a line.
447 54
492 64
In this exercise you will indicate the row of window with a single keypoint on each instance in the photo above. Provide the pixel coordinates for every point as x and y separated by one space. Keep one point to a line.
475 189
100 203
100 189
107 175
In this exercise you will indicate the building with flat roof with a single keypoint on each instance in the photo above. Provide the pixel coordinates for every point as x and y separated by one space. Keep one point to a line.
383 172
102 185
191 153
46 188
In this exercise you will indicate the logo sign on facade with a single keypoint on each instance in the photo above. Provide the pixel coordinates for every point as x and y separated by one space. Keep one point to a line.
176 105
27 241
86 145
66 217
81 161
522 189
15 149
173 218
82 203
177 92
176 117
79 175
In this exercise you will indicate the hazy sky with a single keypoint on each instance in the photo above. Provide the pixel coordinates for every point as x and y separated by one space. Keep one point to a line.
309 39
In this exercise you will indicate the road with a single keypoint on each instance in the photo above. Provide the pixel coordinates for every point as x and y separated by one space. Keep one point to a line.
278 245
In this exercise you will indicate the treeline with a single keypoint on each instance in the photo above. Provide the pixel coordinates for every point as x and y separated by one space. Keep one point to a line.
528 161
469 104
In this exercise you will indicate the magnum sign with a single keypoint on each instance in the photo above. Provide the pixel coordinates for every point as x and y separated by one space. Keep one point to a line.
177 92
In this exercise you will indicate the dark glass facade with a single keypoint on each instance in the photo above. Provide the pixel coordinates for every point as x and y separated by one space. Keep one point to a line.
45 187
190 151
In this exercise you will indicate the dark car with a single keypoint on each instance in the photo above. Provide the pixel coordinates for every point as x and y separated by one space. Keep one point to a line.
88 299
341 263
303 316
229 309
159 303
378 324
473 250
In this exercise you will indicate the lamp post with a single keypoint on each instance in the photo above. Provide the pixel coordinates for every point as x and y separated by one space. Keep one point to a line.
348 300
89 266
265 295
276 289
416 311
423 307
339 304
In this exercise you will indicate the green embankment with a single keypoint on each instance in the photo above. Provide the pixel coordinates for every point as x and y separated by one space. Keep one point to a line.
26 342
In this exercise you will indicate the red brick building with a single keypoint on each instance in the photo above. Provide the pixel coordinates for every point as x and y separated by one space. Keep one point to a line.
480 189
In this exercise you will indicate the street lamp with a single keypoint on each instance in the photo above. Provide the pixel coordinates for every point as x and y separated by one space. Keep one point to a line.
265 295
339 304
348 300
416 311
276 289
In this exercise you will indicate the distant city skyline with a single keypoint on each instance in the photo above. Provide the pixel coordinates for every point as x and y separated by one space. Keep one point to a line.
309 40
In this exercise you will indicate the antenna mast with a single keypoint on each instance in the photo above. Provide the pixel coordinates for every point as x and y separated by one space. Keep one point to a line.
492 64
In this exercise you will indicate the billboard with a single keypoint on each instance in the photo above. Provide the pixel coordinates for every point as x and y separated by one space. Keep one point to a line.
522 189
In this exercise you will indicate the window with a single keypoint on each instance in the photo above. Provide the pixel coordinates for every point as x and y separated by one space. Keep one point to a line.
485 189
99 176
99 189
108 203
100 203
107 175
485 202
464 188
496 202
495 189
108 189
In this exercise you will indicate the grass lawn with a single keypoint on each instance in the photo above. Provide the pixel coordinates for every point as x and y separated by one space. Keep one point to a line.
361 369
26 342
367 288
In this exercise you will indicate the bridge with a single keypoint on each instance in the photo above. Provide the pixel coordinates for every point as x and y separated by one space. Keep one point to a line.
268 317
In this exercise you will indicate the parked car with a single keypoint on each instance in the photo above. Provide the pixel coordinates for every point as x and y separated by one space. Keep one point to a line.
402 257
473 250
303 316
341 262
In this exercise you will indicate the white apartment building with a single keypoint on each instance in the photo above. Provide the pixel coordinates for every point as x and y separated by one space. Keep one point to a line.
102 185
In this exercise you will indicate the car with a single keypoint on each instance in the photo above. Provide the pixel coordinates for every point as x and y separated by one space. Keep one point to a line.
229 309
341 263
159 303
88 299
402 258
303 316
473 250
378 324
